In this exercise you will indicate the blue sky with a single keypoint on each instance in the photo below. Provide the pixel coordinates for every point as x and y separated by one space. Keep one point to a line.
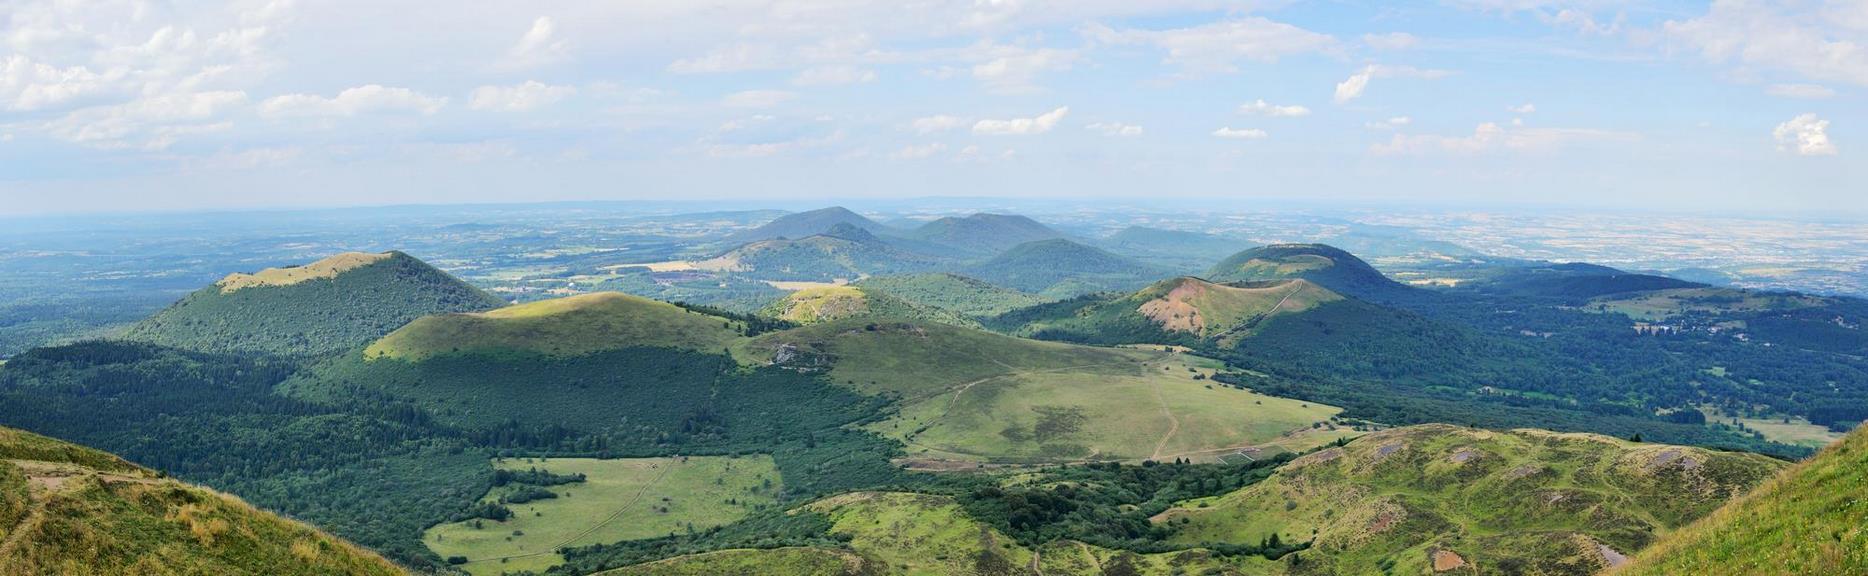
1733 106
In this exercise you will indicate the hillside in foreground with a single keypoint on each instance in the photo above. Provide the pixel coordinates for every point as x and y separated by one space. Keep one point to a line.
326 306
66 509
1811 519
1441 498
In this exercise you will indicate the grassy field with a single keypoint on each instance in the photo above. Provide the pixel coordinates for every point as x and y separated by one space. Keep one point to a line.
1809 520
774 562
562 326
1797 431
1391 500
622 499
1663 304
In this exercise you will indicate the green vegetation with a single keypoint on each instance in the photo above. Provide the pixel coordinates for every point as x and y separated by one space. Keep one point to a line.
1808 520
807 223
1393 500
618 500
982 234
560 327
1331 267
774 562
843 252
1182 251
327 306
66 509
1060 268
1176 311
823 304
952 292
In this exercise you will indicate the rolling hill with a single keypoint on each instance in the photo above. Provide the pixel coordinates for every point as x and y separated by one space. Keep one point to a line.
843 251
982 234
962 295
1061 268
1808 520
1572 282
827 303
1325 265
1440 498
331 305
1174 249
1174 311
66 509
804 224
564 326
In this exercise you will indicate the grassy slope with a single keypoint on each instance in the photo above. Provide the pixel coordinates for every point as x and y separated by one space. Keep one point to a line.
1521 499
65 509
1811 519
1059 267
1180 306
960 294
826 303
313 314
752 562
563 326
973 395
621 499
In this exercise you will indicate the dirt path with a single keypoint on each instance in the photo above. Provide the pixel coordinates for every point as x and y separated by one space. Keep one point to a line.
1266 314
1034 562
1173 423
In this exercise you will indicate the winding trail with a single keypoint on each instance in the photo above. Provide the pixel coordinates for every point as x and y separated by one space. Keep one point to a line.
1173 423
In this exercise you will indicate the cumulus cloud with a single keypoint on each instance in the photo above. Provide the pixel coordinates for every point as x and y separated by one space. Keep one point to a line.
1240 133
1016 69
1820 44
1352 87
149 123
1806 135
364 99
1491 137
519 97
1263 108
1022 126
538 46
1115 129
757 98
1803 91
833 76
1218 47
1390 41
940 123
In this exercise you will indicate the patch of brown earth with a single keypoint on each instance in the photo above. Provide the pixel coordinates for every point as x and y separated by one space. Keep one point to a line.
1444 560
1316 458
1610 556
1462 455
1175 311
1524 471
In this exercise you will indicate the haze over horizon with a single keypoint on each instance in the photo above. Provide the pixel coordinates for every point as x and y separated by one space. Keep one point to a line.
1729 106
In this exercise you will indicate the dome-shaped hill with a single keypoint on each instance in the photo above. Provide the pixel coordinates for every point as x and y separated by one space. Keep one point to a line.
334 304
1434 498
563 326
983 233
1326 265
1811 519
1059 267
827 303
841 252
962 295
66 509
809 223
1575 281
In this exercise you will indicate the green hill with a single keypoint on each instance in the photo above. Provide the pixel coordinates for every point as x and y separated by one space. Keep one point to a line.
1061 268
826 303
564 326
330 305
1325 265
1175 311
953 292
65 509
809 223
982 234
843 252
1810 519
1175 249
1439 498
1572 282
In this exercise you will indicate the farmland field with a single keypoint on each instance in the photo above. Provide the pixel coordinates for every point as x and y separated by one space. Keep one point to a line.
621 499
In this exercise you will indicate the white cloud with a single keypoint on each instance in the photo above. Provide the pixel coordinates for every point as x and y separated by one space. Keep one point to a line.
1240 133
1805 135
1352 88
1115 129
1389 124
913 152
1218 47
1390 41
1022 126
757 98
1803 91
1490 137
1525 108
519 97
833 76
150 123
1817 44
1263 108
941 123
1015 69
539 46
353 101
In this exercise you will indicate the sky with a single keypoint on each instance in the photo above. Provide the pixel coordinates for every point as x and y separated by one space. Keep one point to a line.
1735 106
